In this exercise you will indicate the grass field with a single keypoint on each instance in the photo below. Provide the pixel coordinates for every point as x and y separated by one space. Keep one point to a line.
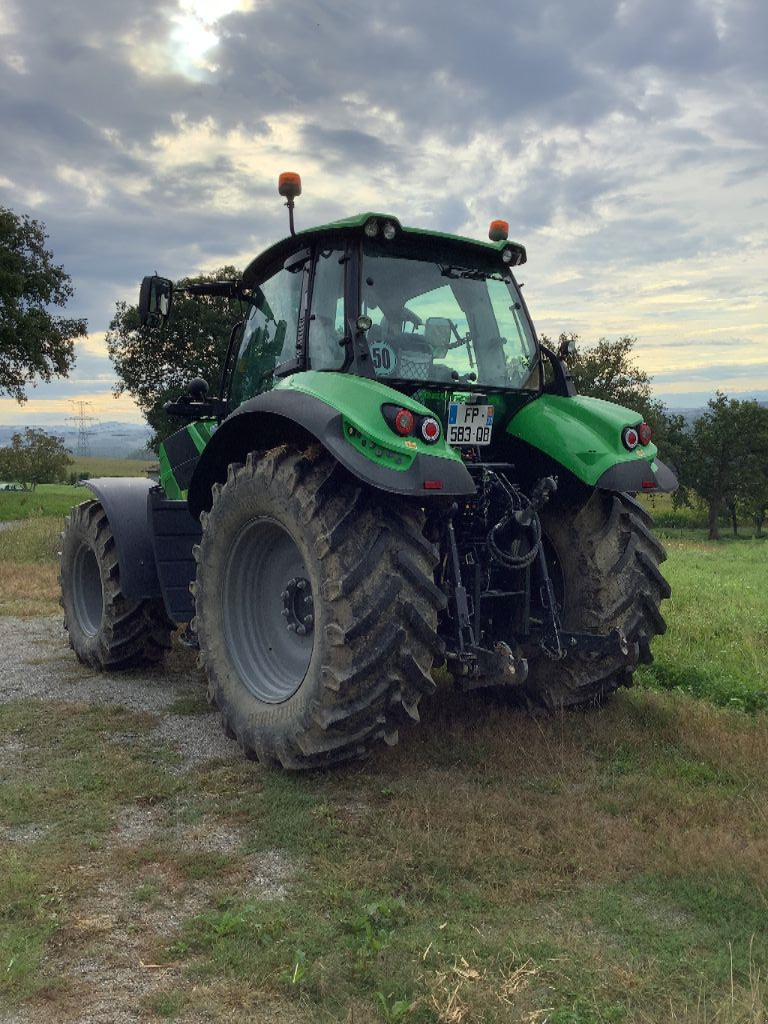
57 499
609 866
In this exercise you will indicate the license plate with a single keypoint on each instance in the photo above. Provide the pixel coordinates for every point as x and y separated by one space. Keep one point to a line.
469 424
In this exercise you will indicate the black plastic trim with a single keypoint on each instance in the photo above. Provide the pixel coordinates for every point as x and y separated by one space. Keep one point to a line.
636 476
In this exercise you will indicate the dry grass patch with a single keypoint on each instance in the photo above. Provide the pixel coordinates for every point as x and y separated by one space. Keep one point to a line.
28 591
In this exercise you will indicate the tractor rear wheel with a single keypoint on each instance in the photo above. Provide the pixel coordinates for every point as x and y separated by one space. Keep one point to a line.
604 562
315 608
107 630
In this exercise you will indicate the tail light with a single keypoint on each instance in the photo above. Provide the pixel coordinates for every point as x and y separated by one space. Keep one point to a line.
430 429
645 433
630 437
403 422
406 423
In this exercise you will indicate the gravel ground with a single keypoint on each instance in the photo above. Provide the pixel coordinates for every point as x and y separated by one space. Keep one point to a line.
110 979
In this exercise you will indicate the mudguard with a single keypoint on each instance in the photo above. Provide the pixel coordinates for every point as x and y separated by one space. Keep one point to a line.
343 413
125 500
584 435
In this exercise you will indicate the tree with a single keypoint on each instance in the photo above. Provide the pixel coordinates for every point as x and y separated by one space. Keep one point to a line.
729 451
35 458
156 364
33 342
607 370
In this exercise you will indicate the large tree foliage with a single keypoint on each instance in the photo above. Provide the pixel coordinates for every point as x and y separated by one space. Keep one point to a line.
34 458
156 364
608 370
34 343
727 464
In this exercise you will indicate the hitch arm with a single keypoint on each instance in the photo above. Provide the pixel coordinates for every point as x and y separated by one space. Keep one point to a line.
466 636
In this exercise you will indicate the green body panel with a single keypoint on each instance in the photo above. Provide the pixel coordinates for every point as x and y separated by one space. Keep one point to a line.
582 434
359 400
199 433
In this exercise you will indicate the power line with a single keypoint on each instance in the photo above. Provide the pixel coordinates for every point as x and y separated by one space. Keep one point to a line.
83 420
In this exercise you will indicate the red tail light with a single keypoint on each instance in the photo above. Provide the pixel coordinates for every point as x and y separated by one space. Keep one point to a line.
645 433
404 422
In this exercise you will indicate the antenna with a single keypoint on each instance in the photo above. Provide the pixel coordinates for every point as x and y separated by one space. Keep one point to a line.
84 429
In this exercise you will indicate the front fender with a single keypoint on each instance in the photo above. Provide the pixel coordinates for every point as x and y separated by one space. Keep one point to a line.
126 503
343 413
584 435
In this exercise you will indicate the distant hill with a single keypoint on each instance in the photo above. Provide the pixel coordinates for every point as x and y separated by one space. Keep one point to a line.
112 440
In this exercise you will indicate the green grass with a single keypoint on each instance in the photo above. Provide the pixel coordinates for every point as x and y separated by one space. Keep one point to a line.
45 500
575 869
716 645
495 868
57 499
479 883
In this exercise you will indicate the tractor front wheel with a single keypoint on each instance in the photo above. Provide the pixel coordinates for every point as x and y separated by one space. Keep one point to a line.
315 609
107 630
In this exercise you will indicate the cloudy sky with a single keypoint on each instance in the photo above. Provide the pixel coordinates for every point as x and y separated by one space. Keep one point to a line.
626 142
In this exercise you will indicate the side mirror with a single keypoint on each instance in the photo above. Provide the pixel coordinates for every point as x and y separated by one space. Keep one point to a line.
437 334
155 299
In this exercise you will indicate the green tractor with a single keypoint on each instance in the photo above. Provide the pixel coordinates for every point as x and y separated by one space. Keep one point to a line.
395 476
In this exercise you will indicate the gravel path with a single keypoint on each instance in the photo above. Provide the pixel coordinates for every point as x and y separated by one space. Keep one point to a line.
110 979
38 664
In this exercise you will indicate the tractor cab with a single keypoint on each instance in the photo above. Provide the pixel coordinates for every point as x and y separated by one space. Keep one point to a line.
409 308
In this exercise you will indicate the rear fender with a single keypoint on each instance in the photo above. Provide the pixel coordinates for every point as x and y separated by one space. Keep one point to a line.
584 435
125 501
347 422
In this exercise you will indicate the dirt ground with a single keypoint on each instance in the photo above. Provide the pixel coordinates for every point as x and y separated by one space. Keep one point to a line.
102 951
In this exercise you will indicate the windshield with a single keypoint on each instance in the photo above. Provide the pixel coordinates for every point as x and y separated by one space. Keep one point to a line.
443 323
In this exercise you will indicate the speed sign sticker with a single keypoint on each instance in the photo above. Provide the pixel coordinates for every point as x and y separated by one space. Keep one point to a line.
384 358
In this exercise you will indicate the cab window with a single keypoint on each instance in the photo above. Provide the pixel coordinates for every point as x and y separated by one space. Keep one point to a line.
326 322
269 336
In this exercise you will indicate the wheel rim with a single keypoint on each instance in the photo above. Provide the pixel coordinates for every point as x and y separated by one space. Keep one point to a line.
87 591
268 611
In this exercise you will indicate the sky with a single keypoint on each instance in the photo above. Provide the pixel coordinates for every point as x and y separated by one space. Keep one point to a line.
625 141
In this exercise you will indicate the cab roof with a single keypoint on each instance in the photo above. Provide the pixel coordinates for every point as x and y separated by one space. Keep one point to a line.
276 254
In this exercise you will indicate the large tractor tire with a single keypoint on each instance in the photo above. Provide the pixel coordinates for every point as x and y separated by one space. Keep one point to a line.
604 563
107 630
315 608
